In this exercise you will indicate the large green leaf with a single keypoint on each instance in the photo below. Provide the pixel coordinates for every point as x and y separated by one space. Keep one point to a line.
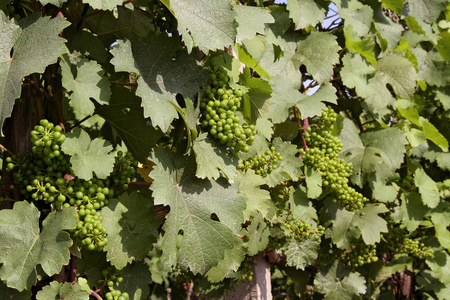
65 290
125 114
424 10
348 225
301 254
305 13
319 53
161 76
356 15
131 227
384 146
339 284
257 199
136 280
313 105
209 25
251 21
24 245
427 188
85 155
212 158
192 203
32 48
89 82
257 99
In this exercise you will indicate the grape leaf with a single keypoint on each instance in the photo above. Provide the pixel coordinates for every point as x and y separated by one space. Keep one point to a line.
230 264
344 231
313 182
258 233
388 33
251 21
289 166
162 77
285 95
364 47
356 72
136 280
208 25
427 188
370 224
433 134
430 69
264 127
65 290
305 13
394 5
412 210
318 52
348 225
89 82
339 284
131 227
87 44
121 23
211 158
257 199
385 146
301 254
257 99
13 294
85 154
23 246
356 15
125 114
426 11
103 4
313 105
192 203
32 48
301 207
441 219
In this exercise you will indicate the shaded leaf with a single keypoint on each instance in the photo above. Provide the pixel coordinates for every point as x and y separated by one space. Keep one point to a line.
24 245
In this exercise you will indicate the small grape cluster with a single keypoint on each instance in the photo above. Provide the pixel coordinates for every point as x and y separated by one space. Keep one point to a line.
46 175
302 231
112 279
219 106
360 254
262 164
398 242
322 155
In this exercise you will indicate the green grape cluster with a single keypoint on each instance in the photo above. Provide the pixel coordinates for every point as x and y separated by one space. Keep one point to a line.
219 106
360 254
398 242
246 271
322 155
302 231
112 279
262 164
45 175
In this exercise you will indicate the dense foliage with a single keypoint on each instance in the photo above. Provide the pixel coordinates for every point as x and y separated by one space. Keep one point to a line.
154 148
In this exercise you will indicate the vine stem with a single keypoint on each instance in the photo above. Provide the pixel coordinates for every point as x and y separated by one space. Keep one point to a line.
305 125
140 183
97 296
6 150
81 121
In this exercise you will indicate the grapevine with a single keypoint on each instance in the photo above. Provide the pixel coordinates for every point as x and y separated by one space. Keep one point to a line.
45 175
